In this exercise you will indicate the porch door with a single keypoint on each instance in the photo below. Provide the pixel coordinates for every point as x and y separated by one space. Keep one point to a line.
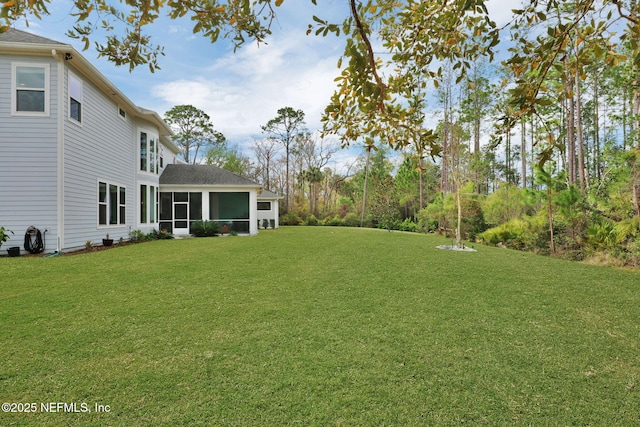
181 213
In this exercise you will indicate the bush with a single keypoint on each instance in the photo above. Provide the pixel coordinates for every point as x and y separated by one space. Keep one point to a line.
137 236
311 220
159 235
205 228
351 220
290 218
408 225
334 221
529 233
432 218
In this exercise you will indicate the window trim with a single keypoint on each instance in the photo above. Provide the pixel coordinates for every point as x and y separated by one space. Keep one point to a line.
150 155
265 201
121 208
46 89
151 211
80 101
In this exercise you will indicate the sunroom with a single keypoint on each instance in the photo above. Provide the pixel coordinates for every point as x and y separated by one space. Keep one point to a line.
190 193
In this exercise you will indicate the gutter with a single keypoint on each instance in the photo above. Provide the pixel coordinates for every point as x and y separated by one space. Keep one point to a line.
60 137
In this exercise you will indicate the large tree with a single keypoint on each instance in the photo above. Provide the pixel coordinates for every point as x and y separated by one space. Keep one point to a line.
193 131
285 127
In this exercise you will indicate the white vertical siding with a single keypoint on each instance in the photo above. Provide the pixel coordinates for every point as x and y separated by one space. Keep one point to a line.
28 160
100 149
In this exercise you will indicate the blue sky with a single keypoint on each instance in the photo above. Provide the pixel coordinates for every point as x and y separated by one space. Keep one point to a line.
243 90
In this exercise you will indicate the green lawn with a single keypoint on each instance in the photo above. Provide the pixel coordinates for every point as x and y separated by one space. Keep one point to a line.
318 326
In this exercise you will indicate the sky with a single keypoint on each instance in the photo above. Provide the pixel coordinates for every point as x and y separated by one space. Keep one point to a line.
240 91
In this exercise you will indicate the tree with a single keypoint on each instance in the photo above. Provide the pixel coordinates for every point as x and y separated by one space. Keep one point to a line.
265 151
230 159
193 131
285 127
125 23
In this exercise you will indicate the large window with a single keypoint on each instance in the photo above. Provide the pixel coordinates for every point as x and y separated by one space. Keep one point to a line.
30 95
149 145
112 201
231 209
149 204
75 98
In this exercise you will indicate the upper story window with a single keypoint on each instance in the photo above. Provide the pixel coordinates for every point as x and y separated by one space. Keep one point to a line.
149 146
75 98
30 94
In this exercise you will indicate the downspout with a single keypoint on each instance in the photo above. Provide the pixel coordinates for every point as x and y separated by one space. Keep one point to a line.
60 137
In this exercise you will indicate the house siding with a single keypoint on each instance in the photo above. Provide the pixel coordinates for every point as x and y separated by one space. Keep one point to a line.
28 160
100 149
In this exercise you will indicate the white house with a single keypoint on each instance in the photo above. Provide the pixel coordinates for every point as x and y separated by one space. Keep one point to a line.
268 209
78 159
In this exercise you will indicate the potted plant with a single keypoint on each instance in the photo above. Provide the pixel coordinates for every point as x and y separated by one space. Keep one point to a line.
107 241
4 235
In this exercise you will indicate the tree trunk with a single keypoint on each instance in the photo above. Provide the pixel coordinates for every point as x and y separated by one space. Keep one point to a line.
571 143
550 213
523 153
459 225
578 128
421 173
364 191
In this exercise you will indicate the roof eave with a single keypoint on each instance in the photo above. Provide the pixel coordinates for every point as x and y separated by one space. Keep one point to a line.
96 77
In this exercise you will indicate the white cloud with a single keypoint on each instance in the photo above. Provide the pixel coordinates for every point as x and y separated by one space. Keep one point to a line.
242 91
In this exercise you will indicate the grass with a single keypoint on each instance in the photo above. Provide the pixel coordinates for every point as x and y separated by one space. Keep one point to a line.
315 327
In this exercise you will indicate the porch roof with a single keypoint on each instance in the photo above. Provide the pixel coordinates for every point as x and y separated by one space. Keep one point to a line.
201 175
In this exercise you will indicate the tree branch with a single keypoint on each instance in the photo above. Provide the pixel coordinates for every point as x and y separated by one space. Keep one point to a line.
370 55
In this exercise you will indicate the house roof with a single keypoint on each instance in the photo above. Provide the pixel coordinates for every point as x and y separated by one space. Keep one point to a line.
21 42
266 194
203 175
16 36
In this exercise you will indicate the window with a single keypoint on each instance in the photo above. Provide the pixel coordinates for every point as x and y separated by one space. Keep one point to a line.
149 204
112 202
264 206
143 151
122 113
75 98
30 95
149 145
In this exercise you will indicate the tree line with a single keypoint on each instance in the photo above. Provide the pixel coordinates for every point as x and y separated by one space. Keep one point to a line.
539 150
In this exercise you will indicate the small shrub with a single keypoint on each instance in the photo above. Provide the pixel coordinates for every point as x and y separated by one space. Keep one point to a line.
290 218
272 222
265 223
88 245
408 225
334 221
159 235
311 220
205 228
351 220
137 236
121 241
